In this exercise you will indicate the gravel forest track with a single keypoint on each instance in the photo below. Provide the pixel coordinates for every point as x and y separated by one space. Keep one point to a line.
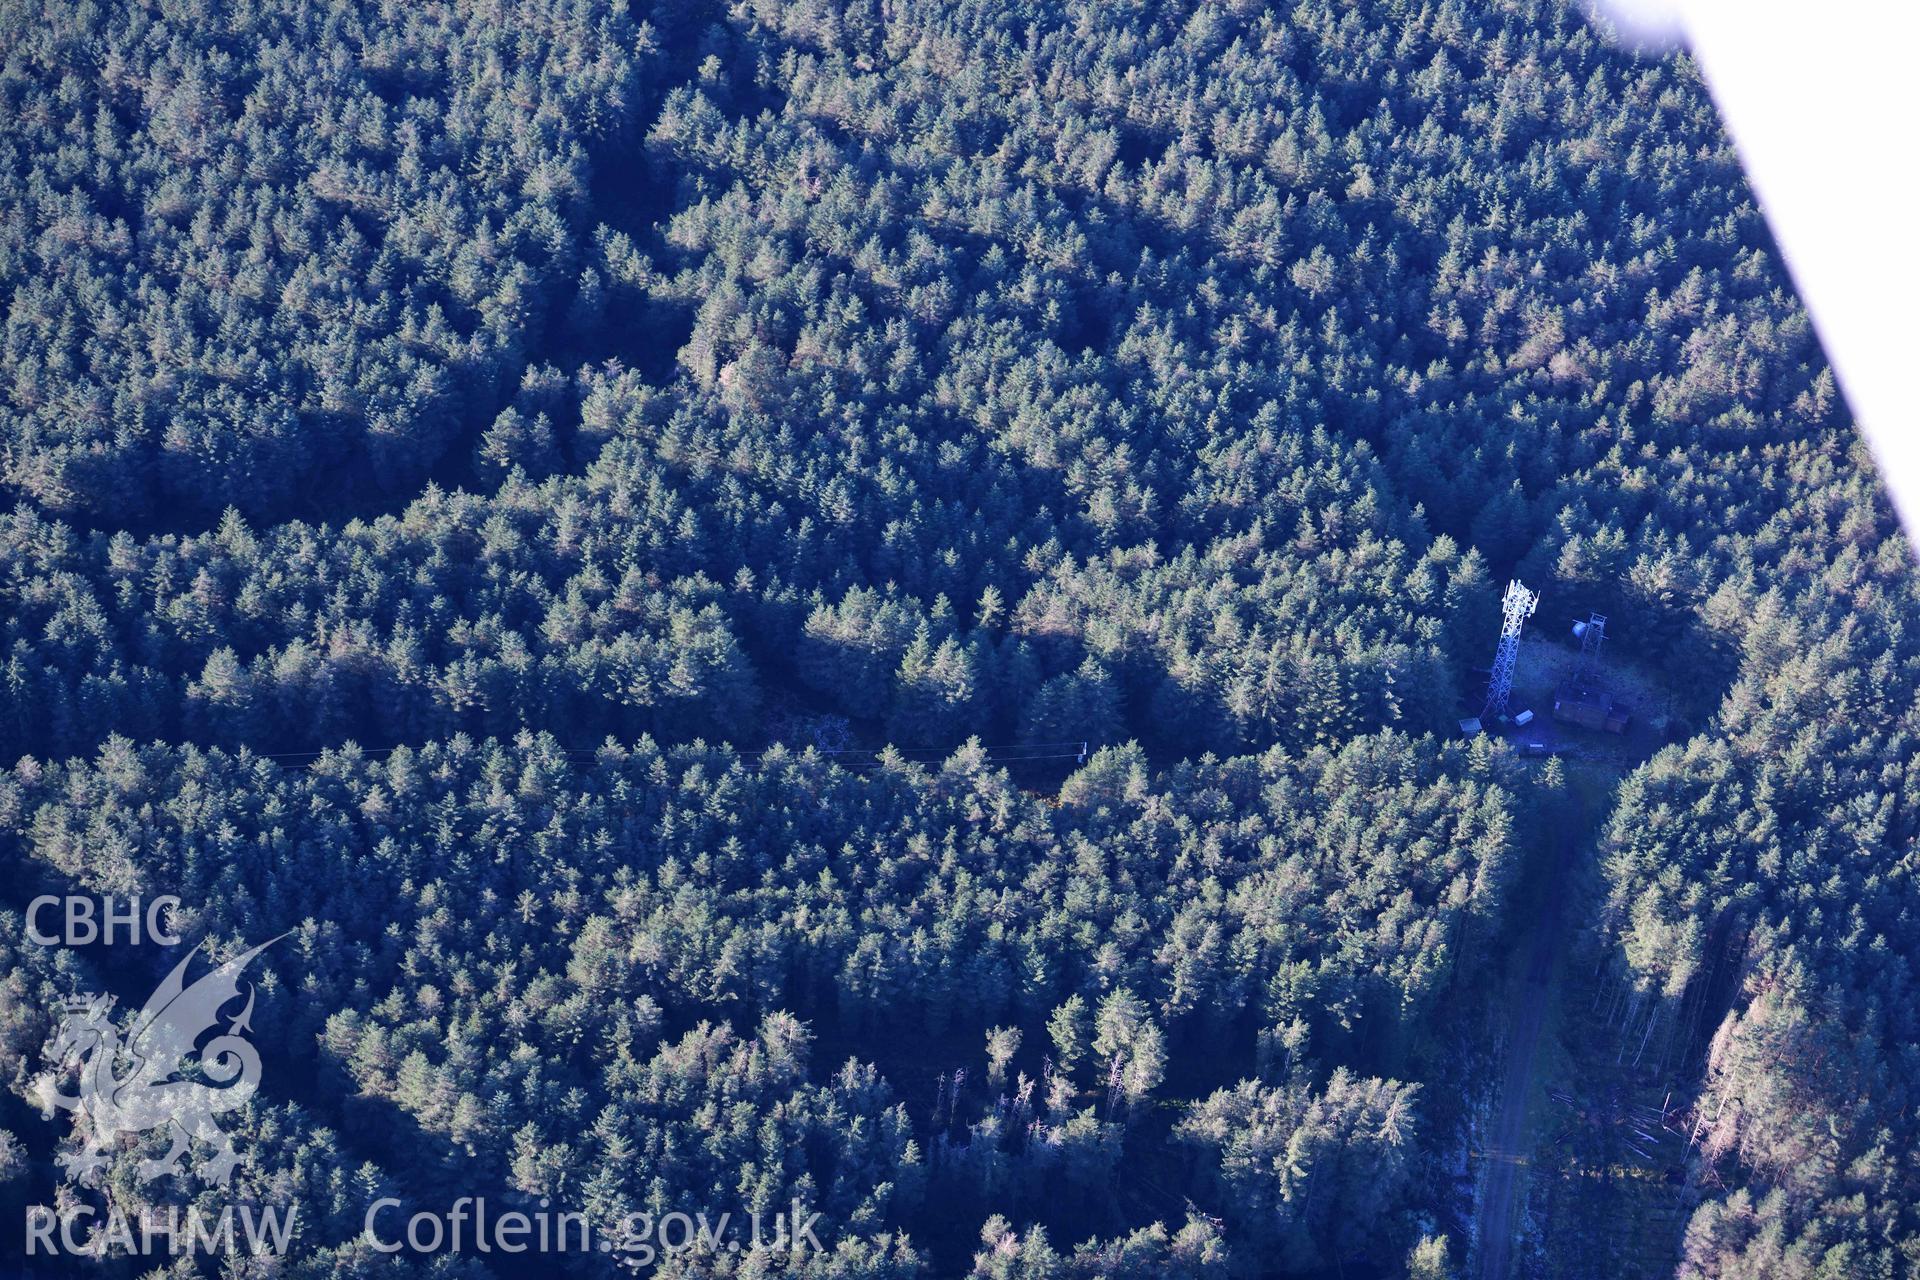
1507 1149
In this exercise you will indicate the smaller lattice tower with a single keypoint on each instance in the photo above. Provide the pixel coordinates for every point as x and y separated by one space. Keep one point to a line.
1592 634
1515 608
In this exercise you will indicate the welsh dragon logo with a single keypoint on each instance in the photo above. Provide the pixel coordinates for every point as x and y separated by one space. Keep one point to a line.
133 1086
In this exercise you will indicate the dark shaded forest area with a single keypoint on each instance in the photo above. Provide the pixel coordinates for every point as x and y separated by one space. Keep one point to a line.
867 604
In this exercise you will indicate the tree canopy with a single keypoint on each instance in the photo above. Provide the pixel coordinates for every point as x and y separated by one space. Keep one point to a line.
867 604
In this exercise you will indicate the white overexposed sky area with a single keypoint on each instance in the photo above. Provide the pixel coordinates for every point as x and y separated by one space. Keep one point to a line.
1821 100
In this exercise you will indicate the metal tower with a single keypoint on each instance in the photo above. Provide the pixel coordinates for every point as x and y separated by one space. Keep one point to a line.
1516 606
1593 634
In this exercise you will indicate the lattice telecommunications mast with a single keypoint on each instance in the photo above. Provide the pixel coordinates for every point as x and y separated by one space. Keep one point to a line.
1516 607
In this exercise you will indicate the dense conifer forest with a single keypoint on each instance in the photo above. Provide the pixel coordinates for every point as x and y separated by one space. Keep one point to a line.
867 605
